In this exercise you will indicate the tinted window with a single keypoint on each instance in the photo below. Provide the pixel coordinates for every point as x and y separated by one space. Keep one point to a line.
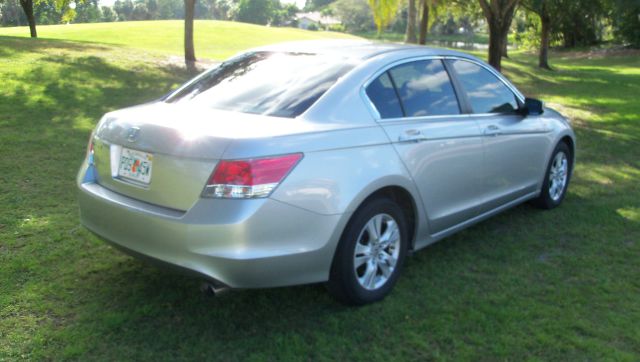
425 89
486 93
269 83
383 96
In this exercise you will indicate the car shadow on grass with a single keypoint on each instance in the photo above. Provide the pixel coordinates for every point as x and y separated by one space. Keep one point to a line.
494 276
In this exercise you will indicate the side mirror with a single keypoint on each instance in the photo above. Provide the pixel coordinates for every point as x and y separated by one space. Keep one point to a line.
533 107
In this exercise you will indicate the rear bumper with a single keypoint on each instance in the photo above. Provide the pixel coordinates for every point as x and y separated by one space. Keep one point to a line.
239 243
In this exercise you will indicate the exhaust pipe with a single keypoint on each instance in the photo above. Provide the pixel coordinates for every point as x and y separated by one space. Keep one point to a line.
211 290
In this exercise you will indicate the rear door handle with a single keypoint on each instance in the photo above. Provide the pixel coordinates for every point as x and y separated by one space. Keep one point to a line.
412 135
492 130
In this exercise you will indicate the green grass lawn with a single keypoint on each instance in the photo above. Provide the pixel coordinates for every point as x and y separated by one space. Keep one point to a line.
526 285
213 39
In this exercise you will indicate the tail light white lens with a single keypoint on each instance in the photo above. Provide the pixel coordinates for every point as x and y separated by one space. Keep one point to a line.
90 149
90 172
252 178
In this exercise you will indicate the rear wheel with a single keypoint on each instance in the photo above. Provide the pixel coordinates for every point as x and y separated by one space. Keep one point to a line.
370 254
557 178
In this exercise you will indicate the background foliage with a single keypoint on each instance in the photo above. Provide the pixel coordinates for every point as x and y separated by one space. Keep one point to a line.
576 23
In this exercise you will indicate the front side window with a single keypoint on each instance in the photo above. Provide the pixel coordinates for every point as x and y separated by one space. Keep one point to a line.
269 83
485 92
417 89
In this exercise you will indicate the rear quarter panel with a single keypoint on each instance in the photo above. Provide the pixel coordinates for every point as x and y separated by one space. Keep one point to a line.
339 170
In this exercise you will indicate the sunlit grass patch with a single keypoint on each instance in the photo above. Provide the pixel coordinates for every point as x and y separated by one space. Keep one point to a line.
213 39
631 213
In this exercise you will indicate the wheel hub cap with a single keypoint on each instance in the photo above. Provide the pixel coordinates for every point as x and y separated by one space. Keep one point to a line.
558 174
377 251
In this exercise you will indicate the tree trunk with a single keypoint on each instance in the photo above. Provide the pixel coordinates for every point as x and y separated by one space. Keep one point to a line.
189 51
569 39
495 45
27 6
505 44
499 15
545 38
410 36
424 22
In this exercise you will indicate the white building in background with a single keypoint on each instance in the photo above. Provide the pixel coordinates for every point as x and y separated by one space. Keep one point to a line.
305 20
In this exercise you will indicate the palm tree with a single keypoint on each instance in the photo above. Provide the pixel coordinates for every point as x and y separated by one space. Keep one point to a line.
383 12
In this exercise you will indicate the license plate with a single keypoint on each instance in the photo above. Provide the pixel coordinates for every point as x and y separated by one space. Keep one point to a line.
135 165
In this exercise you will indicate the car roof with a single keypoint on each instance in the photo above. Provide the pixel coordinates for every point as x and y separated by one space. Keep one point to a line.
357 49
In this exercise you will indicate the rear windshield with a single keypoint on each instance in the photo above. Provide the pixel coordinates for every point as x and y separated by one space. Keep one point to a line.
269 83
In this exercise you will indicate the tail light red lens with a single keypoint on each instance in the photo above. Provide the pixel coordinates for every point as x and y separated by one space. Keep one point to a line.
90 150
250 178
90 144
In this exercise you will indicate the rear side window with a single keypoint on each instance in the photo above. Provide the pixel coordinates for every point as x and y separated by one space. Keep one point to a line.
270 83
415 89
425 89
485 92
382 94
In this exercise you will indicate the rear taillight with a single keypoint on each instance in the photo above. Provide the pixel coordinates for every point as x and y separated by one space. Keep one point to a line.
90 172
252 178
90 149
90 144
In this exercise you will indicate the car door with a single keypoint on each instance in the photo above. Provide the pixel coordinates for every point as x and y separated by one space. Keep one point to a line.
514 144
442 148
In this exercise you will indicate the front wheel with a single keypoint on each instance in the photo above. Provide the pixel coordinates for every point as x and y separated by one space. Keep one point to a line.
370 254
556 181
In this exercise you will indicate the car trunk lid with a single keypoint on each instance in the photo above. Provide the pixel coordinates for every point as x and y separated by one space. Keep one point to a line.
185 144
180 155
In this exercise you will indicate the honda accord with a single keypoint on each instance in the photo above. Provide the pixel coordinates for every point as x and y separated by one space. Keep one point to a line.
320 162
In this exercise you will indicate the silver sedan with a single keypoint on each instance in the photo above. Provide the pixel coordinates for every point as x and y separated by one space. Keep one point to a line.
320 162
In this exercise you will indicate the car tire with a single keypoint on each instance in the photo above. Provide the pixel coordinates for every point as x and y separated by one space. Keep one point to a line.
370 254
556 180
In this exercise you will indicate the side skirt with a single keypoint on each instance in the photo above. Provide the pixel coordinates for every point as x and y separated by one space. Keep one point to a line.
454 229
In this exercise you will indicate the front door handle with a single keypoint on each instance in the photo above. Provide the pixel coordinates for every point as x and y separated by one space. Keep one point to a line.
412 135
492 130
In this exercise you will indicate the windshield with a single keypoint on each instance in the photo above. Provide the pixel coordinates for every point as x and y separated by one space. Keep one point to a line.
268 83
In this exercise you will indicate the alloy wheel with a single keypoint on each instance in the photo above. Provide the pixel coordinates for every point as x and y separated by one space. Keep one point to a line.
558 174
377 251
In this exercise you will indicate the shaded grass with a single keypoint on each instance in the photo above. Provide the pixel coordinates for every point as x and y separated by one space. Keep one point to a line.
557 285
